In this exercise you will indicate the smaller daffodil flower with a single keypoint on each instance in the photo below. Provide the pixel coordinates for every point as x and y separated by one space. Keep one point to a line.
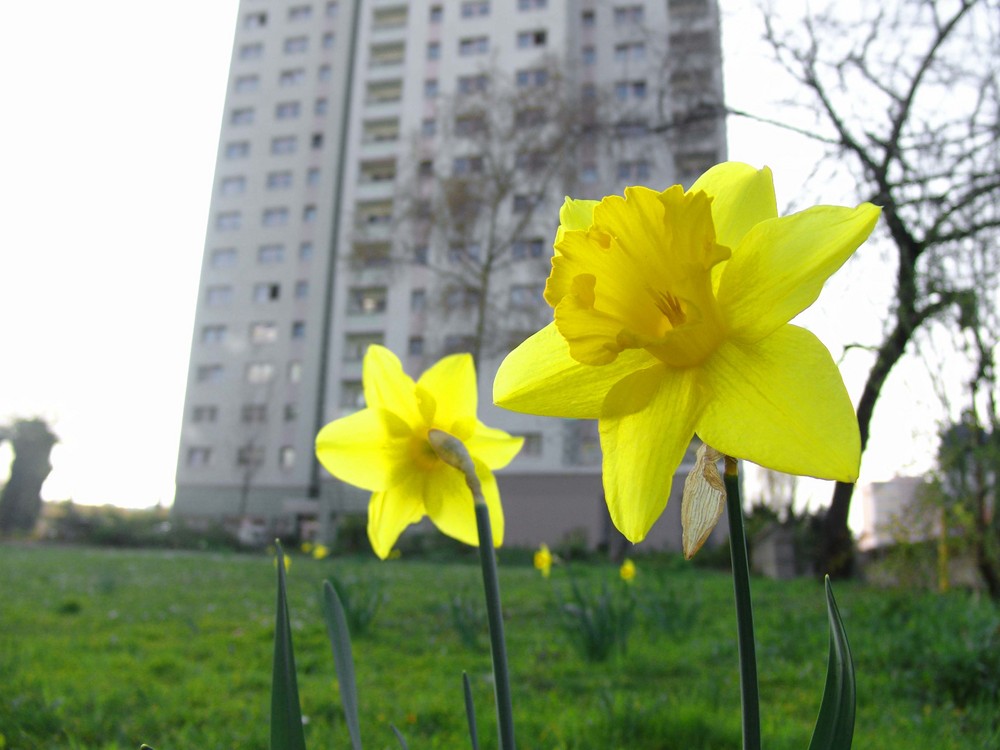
671 319
307 548
320 551
385 448
627 571
543 561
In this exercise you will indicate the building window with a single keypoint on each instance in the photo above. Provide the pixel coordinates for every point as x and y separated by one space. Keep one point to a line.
301 289
286 455
306 251
475 8
263 332
533 77
356 344
430 88
312 177
223 257
456 343
274 217
309 214
428 128
478 45
530 117
228 220
329 38
325 71
209 373
203 414
380 131
267 291
219 295
473 84
285 144
298 329
467 165
320 107
279 180
526 39
638 169
332 8
589 55
214 334
588 173
367 300
287 110
292 77
469 125
237 149
418 300
253 413
246 84
461 298
434 51
436 14
252 51
199 456
300 13
524 202
587 19
316 141
529 248
291 412
415 346
629 14
352 394
233 185
294 371
626 90
296 44
532 444
250 456
270 254
255 20
421 255
630 52
532 4
241 116
260 372
526 296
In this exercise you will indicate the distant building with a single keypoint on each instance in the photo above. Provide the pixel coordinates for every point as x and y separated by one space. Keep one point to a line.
892 513
328 105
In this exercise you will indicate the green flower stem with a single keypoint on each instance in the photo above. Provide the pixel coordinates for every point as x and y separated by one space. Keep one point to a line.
744 610
453 452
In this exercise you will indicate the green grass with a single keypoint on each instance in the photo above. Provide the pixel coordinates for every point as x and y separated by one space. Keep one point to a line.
103 649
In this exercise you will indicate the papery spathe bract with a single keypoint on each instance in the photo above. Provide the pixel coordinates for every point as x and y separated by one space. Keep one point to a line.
671 319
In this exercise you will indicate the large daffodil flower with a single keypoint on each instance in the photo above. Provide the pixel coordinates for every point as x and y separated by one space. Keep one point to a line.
384 448
672 315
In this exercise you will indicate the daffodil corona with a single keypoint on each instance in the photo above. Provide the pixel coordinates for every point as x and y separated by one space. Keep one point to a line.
384 448
671 318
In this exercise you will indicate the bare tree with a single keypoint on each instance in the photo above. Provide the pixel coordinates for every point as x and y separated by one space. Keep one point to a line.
476 206
905 96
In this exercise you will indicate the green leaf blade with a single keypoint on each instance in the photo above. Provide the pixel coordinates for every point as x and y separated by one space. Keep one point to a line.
835 723
340 642
286 712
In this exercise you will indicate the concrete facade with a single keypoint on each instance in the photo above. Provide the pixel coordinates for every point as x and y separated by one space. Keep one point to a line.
331 105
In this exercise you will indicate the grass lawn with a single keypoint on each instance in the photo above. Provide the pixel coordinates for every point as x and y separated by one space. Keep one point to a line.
103 649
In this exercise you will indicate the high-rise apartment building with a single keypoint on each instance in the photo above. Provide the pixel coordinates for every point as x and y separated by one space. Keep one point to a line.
376 156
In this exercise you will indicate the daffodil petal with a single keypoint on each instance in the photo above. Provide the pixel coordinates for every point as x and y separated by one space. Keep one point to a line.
781 403
451 507
540 377
575 214
388 387
742 196
494 448
353 450
780 267
391 511
452 381
647 426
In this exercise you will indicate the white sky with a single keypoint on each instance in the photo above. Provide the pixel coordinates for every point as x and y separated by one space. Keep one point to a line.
112 119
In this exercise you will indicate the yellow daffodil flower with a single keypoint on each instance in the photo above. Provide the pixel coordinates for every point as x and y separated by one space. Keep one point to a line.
671 319
543 560
627 571
320 551
384 448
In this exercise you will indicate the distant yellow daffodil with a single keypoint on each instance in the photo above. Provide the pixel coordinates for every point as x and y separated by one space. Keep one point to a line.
671 319
543 560
627 571
307 548
320 551
384 448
